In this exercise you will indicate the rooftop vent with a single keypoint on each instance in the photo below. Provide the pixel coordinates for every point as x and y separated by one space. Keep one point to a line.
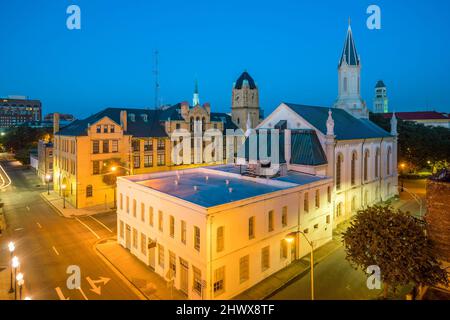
206 178
176 182
227 182
230 190
195 188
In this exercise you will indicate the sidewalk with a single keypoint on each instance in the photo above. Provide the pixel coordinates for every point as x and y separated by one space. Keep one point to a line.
57 203
150 284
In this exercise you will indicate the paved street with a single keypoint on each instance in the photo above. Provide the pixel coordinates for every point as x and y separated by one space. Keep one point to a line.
47 243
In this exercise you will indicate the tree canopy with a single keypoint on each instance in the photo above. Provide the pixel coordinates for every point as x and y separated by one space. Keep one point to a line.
396 242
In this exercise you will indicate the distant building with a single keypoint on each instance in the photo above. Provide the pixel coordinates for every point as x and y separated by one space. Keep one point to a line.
45 160
245 109
428 118
380 101
216 232
16 110
63 117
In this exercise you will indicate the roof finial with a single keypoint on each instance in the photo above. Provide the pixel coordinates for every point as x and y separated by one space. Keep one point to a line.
349 21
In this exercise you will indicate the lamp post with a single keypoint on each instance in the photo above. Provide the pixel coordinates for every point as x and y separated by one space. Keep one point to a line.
20 282
15 265
47 178
114 170
402 166
11 248
63 188
290 238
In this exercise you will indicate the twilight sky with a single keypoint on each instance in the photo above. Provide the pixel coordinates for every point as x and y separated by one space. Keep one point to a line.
291 48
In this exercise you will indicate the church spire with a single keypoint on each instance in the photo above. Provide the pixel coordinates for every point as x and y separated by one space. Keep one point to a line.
196 99
349 54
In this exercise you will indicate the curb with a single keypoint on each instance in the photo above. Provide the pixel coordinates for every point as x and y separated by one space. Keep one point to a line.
52 206
116 270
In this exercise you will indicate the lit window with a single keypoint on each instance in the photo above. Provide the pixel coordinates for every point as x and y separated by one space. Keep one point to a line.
265 258
143 244
89 191
197 238
284 216
244 266
160 221
183 231
270 217
219 281
172 226
317 197
220 239
251 227
306 202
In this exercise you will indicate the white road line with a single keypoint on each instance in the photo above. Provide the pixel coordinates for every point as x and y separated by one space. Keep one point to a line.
101 223
84 296
87 227
56 251
3 186
60 294
39 225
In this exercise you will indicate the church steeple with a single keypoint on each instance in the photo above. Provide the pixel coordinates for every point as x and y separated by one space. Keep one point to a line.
245 102
349 54
196 99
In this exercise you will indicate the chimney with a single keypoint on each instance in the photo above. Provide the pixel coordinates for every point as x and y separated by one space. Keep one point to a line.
123 120
55 122
207 107
185 109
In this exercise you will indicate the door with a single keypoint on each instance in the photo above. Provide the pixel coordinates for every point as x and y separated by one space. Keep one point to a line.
128 237
184 276
151 253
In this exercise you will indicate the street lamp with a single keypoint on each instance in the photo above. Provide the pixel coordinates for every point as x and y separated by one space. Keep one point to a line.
20 282
47 178
291 238
15 265
63 188
114 170
27 298
402 166
11 248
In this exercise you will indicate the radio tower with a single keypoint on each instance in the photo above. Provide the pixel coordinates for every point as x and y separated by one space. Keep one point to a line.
156 73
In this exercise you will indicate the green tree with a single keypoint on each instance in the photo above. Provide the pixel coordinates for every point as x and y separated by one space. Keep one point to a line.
396 242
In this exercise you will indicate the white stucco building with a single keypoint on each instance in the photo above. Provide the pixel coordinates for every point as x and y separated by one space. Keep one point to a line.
216 232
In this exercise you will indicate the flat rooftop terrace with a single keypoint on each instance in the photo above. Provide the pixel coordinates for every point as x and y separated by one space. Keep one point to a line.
213 186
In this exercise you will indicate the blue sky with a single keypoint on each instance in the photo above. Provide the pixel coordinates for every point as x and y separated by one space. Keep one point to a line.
291 48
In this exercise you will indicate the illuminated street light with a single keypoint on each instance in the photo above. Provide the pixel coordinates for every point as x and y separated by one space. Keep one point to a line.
47 178
15 265
11 248
20 282
63 188
27 298
114 170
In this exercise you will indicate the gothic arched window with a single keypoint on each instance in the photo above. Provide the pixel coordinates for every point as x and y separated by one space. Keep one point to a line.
353 168
338 171
366 163
345 84
377 157
388 161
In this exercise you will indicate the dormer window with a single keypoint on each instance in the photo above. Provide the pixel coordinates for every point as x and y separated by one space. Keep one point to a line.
99 129
144 117
132 117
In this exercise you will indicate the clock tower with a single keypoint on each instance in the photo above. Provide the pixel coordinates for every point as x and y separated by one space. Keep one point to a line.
245 102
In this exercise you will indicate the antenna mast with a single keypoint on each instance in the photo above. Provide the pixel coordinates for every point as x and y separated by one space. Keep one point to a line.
156 73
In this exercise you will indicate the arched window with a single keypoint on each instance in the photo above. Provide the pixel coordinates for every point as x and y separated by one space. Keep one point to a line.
353 168
345 84
366 163
377 165
89 191
388 161
238 121
338 171
353 204
192 124
339 209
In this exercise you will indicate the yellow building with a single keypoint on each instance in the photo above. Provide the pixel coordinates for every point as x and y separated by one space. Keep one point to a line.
132 141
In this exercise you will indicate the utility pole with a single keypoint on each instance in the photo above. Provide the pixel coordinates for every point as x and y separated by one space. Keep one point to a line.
156 74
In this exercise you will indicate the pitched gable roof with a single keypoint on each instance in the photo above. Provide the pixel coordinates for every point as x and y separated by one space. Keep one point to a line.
346 126
306 148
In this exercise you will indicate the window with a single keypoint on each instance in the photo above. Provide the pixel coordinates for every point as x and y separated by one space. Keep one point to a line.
183 231
353 169
112 129
196 238
306 202
136 162
284 216
197 285
161 256
142 212
115 146
105 146
283 249
329 194
317 199
121 201
377 156
89 191
251 227
366 163
132 117
220 239
353 204
148 145
172 264
105 129
339 209
135 238
172 226
388 161
161 144
328 219
219 281
150 216
161 159
95 167
128 204
160 221
134 208
148 160
338 171
265 258
135 144
95 146
121 230
143 244
244 266
270 217
99 129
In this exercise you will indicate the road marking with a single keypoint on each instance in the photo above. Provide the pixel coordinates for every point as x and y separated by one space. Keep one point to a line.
94 288
3 186
82 292
56 251
28 208
60 294
18 229
39 225
101 223
87 227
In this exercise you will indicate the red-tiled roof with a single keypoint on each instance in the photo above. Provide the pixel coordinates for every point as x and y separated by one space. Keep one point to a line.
418 115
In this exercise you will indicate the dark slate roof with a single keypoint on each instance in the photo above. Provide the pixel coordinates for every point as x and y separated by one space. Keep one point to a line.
139 128
172 113
245 76
225 119
418 115
306 148
349 54
380 84
346 126
269 147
